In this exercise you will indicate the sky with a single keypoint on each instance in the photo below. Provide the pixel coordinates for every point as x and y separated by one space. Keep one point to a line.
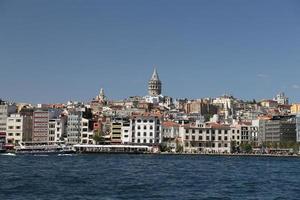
59 50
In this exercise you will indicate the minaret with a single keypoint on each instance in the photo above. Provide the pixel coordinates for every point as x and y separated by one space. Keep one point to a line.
101 97
154 86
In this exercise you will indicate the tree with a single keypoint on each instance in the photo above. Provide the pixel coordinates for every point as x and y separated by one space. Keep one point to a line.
247 148
233 148
179 148
99 137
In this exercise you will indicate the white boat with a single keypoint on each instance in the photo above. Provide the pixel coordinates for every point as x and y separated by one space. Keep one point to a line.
8 154
43 148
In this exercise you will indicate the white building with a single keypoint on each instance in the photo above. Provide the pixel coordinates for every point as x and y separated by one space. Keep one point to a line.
19 129
86 134
126 133
57 129
146 129
5 110
281 99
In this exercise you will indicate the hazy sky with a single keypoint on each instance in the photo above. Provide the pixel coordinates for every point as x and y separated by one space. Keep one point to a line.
59 50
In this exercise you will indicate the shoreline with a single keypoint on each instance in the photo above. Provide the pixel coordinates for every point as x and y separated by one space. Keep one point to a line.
194 154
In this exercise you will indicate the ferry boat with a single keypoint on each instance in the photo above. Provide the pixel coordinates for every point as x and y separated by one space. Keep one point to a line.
43 148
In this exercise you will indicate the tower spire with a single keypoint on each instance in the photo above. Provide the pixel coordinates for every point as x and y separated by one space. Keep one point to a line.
155 76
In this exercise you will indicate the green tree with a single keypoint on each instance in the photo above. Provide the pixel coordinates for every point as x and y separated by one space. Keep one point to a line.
99 137
246 147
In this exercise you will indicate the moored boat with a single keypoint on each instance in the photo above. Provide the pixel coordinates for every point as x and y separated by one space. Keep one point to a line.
43 148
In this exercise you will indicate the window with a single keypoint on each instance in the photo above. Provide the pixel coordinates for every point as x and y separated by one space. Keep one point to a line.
145 134
193 137
193 130
151 141
213 138
139 121
233 137
145 141
145 121
225 138
226 131
139 134
18 127
219 138
186 137
207 137
138 141
151 134
200 137
151 127
145 127
232 131
219 145
138 127
186 130
10 127
225 145
207 131
18 120
10 134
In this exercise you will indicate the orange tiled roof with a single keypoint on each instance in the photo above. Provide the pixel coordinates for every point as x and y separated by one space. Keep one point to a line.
170 124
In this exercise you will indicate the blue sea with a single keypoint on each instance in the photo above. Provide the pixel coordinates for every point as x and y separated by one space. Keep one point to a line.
109 177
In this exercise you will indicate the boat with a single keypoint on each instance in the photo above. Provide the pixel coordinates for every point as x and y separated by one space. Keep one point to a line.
39 148
8 154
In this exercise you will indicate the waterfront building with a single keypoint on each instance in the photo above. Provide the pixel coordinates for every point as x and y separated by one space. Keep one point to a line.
298 127
74 128
206 138
276 131
41 125
2 141
57 129
170 135
5 110
19 129
126 132
236 136
146 129
116 131
86 135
